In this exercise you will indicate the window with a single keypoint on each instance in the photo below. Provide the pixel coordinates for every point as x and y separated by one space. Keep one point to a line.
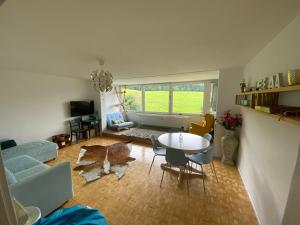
157 98
133 98
213 98
172 98
188 98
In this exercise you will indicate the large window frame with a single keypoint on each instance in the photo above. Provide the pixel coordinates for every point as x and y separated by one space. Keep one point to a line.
206 97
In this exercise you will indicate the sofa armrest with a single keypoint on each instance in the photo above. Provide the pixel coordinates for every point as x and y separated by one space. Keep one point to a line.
47 190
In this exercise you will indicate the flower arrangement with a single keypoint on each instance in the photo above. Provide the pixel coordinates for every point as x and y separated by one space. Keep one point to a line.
230 122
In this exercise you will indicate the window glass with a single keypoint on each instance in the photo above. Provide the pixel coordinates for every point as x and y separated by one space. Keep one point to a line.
133 97
188 98
213 98
157 98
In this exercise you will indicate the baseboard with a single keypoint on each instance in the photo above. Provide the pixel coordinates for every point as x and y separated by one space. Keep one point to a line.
250 197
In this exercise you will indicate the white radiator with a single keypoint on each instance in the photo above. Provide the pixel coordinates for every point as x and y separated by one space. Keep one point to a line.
163 120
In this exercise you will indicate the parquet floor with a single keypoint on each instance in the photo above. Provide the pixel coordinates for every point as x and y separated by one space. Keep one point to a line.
137 199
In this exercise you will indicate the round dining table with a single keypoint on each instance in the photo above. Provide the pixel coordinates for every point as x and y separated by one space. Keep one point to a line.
189 143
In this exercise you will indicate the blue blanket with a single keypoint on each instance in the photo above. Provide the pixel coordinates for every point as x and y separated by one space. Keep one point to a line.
76 215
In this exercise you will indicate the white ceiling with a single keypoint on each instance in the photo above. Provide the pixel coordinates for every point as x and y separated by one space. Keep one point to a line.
136 37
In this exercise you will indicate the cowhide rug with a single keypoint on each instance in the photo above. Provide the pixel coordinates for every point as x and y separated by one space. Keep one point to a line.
96 161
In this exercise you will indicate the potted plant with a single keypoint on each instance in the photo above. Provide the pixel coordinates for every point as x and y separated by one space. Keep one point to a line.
229 142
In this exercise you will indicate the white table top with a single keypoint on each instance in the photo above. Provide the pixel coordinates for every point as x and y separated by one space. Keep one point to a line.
190 143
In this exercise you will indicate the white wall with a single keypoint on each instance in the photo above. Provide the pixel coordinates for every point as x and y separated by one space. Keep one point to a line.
228 84
36 106
109 104
292 208
269 148
182 77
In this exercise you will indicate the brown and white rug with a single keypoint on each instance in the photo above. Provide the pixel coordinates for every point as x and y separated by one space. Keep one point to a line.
96 161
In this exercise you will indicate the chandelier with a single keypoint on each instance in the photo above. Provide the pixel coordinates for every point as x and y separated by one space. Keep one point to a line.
102 80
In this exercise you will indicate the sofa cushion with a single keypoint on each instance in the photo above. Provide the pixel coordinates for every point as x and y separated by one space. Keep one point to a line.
24 174
20 163
125 124
11 179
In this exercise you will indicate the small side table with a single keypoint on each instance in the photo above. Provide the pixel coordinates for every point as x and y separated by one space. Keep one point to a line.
91 123
34 214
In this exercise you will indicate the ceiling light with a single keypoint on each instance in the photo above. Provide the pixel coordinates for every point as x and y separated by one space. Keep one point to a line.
102 80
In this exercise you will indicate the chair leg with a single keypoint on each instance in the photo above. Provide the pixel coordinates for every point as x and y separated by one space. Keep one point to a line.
162 177
77 136
203 178
191 168
213 165
151 164
187 178
211 169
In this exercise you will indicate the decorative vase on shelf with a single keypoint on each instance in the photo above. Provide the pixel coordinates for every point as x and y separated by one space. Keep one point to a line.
229 144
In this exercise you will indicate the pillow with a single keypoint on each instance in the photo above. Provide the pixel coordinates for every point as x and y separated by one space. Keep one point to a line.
114 121
9 177
7 144
117 121
203 123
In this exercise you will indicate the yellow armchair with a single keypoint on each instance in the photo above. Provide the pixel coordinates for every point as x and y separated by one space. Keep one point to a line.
205 126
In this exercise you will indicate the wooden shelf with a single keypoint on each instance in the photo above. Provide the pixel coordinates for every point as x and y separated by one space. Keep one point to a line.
291 120
273 90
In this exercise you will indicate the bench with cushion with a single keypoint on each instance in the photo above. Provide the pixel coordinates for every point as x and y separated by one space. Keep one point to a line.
116 121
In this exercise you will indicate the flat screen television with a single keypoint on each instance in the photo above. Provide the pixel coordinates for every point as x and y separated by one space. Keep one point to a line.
81 108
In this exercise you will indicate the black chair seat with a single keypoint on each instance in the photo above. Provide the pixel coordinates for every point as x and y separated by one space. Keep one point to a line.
80 130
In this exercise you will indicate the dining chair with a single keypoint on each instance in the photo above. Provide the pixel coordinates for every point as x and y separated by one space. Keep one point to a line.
158 151
176 158
175 130
76 129
208 137
204 126
205 157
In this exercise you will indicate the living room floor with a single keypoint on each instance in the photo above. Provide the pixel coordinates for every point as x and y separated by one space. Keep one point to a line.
137 198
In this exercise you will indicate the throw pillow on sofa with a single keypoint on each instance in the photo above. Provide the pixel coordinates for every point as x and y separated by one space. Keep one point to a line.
7 144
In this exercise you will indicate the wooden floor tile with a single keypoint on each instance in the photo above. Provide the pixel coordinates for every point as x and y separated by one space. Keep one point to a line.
137 199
